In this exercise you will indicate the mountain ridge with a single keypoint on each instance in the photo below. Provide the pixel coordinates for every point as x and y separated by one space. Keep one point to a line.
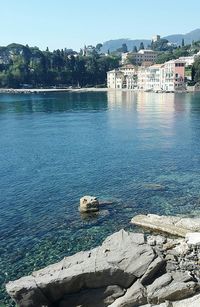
114 44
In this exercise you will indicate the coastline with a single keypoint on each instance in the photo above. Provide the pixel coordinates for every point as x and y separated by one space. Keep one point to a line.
80 90
49 90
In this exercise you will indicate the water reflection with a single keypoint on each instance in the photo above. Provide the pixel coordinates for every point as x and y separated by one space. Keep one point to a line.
52 102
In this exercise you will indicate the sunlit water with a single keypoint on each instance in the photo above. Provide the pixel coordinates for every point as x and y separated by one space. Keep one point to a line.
141 151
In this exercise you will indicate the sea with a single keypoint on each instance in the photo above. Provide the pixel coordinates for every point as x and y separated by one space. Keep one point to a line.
139 153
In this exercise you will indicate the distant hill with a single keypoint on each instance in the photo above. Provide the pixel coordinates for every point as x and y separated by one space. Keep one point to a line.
114 44
188 37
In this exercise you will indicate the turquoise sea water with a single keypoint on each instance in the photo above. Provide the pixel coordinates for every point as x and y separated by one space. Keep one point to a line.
141 151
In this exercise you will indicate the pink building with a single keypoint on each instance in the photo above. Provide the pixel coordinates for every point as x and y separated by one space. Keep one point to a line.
173 75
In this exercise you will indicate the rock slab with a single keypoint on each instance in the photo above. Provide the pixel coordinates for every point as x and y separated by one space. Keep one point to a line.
172 225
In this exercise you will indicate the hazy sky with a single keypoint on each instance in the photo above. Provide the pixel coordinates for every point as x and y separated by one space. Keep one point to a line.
71 24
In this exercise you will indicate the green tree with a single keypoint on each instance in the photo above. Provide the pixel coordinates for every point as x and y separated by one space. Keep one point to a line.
135 49
98 47
141 46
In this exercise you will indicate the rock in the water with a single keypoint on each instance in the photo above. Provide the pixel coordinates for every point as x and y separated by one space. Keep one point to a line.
154 187
88 204
173 225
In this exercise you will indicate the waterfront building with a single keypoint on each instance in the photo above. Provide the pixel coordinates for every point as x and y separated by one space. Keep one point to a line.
142 78
154 77
123 77
115 79
169 76
173 75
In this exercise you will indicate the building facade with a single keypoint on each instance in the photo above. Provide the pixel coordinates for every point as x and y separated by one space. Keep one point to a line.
168 77
115 79
123 77
141 57
146 56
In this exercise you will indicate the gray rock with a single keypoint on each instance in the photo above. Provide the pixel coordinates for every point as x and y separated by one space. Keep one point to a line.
170 257
160 240
159 283
134 296
173 292
193 238
189 302
151 240
165 304
168 224
26 293
153 268
182 276
89 204
102 297
118 261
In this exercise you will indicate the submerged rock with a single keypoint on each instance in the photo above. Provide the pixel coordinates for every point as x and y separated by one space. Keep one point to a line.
89 204
154 186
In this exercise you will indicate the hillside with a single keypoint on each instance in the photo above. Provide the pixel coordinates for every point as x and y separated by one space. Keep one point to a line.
175 38
188 37
114 44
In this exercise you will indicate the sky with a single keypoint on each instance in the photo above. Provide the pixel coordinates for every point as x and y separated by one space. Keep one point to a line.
72 24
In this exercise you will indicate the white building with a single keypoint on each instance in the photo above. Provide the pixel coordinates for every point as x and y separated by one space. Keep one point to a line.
115 79
123 77
142 78
141 57
154 77
189 60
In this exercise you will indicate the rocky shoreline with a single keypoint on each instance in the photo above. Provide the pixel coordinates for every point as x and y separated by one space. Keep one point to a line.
127 270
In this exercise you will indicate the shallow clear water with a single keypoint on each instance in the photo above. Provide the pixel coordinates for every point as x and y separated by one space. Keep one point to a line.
140 151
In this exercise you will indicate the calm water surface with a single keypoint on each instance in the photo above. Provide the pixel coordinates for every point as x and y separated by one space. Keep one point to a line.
141 151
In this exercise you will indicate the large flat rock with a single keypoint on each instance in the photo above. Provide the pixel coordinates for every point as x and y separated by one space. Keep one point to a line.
173 225
125 271
120 260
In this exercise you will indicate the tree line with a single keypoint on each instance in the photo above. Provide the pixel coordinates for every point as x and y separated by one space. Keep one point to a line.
29 66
